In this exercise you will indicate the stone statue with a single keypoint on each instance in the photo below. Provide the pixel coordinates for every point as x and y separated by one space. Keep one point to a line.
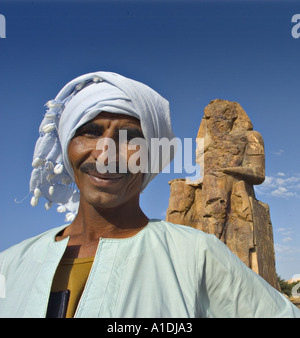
223 201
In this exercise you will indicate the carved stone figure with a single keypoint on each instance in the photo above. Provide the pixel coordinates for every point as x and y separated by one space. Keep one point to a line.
223 201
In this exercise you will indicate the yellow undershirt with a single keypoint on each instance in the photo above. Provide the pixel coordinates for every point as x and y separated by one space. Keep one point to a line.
72 274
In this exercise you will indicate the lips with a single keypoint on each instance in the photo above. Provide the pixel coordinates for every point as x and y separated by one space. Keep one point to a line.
104 180
101 179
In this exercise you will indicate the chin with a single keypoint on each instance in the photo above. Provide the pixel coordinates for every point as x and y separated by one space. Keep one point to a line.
101 200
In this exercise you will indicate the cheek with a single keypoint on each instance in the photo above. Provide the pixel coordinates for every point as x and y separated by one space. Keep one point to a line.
133 185
138 159
79 150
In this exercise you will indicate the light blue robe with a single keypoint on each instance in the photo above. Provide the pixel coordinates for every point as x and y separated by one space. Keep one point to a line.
165 270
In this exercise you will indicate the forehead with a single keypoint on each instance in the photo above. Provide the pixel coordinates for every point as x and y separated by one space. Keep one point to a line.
104 117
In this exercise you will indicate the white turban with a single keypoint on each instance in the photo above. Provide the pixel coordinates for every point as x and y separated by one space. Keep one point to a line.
78 102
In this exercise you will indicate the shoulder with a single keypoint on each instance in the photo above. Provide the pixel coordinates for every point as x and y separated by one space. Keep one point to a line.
208 250
254 136
171 229
30 246
255 144
185 236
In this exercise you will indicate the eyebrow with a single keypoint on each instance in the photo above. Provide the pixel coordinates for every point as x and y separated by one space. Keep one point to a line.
90 127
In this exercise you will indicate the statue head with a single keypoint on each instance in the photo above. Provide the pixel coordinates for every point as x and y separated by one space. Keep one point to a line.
221 116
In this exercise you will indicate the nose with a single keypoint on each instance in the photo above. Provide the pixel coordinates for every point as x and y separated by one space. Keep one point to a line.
107 142
105 150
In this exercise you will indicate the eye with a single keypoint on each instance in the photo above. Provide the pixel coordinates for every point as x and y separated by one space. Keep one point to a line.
90 130
88 133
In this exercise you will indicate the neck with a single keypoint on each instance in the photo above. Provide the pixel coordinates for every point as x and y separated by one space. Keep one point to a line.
94 222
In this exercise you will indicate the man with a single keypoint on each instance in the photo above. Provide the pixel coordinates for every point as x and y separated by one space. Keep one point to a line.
112 261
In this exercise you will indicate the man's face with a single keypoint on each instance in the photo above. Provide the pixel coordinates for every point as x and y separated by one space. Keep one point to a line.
106 190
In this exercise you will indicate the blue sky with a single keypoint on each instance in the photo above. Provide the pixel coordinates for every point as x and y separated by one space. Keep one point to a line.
191 52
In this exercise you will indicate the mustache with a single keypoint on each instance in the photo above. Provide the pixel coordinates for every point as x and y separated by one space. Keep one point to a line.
90 167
